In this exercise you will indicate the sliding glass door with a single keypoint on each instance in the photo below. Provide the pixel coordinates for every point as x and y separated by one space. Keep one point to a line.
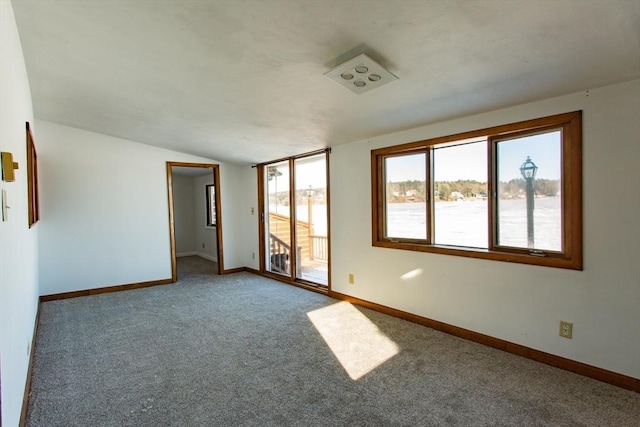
278 220
312 218
296 223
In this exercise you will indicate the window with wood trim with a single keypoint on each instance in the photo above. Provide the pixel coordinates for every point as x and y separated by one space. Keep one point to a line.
32 180
507 193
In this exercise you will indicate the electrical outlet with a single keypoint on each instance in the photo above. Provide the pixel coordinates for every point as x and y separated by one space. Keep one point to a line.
351 279
252 211
253 255
202 245
566 329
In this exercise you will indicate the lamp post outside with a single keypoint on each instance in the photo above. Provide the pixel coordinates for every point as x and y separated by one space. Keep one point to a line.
528 171
273 172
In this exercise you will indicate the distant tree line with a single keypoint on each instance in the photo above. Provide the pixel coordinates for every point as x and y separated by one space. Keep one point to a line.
281 198
541 187
416 191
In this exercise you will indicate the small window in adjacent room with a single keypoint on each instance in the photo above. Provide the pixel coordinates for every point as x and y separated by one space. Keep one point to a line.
507 193
32 180
210 191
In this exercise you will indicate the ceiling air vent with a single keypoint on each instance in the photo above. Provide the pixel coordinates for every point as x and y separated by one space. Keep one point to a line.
360 74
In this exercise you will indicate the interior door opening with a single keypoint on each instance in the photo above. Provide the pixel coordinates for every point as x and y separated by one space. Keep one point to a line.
194 215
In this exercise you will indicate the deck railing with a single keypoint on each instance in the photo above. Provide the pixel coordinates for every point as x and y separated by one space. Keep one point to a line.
319 248
280 254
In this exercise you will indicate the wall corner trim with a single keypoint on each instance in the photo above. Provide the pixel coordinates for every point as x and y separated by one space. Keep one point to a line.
234 270
610 377
107 289
27 385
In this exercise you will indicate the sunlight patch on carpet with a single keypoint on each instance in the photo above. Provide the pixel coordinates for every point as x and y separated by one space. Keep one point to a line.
357 343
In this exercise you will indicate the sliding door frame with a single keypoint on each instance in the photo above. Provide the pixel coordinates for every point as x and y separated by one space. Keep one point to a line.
262 221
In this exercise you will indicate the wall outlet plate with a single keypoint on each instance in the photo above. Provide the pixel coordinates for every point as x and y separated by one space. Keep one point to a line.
566 329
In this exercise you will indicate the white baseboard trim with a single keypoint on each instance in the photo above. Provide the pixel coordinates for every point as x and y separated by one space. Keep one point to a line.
186 254
205 256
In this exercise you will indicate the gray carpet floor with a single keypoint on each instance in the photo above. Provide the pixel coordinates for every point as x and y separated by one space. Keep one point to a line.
191 266
242 350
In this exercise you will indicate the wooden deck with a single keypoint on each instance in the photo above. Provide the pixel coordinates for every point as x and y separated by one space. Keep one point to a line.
312 251
316 272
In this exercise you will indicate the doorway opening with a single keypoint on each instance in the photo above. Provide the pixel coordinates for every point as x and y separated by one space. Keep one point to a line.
195 220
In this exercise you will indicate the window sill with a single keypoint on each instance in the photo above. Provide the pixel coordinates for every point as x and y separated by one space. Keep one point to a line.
549 260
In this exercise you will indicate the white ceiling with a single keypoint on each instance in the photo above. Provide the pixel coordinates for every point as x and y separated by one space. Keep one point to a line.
243 81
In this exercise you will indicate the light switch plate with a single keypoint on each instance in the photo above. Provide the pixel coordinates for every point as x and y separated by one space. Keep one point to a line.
5 216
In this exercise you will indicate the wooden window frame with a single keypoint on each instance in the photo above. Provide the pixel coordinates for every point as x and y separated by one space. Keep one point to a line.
571 255
33 192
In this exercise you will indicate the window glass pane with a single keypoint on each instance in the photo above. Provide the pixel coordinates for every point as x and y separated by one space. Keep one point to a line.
211 204
460 194
312 241
529 201
278 239
406 196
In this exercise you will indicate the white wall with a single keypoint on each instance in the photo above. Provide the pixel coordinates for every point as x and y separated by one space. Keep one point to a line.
518 303
249 181
232 195
204 236
184 212
105 210
18 243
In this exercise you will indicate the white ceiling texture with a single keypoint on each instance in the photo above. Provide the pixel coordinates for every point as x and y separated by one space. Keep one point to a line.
243 81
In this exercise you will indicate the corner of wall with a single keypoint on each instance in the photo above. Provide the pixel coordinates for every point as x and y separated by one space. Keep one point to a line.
19 243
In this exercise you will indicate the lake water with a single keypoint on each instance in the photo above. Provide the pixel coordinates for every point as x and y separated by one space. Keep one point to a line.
464 223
